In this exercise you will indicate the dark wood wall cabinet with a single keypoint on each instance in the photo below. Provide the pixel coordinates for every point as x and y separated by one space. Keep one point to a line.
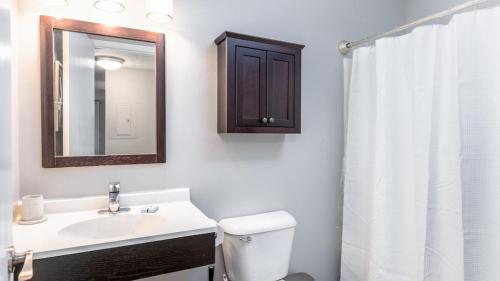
258 85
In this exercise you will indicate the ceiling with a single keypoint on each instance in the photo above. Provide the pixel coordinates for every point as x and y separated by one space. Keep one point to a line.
137 54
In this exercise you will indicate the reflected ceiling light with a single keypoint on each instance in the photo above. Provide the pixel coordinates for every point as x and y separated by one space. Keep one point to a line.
54 2
109 62
160 10
112 6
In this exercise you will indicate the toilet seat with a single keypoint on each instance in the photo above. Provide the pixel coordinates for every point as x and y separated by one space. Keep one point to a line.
299 277
293 277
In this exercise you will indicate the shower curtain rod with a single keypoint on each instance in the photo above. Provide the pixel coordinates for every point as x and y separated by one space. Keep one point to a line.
346 46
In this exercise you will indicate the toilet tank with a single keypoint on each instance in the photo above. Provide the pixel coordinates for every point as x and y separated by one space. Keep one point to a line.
258 247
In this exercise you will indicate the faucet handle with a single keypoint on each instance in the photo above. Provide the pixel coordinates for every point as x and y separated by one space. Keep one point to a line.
114 187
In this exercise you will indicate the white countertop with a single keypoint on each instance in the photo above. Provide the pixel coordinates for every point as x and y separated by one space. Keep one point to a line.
181 216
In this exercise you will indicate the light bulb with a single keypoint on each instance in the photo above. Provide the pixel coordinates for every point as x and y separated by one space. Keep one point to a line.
160 10
160 17
109 62
54 2
112 6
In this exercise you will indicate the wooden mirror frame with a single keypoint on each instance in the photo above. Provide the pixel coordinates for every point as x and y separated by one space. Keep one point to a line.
49 158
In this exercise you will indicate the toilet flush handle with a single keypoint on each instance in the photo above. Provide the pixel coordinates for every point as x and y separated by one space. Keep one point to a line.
246 239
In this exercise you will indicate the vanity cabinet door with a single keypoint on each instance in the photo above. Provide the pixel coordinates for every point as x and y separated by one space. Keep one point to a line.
251 76
280 89
129 262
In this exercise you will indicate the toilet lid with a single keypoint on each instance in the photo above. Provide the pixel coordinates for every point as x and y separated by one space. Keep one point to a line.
260 223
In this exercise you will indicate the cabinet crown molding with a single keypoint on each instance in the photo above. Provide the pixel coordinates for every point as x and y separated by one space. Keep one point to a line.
235 35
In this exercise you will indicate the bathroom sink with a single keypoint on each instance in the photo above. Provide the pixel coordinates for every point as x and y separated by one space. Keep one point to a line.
112 226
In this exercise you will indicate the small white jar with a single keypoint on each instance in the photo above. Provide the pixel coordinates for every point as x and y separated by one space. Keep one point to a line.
32 209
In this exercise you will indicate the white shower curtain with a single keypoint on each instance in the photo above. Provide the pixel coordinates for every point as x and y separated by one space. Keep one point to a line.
422 159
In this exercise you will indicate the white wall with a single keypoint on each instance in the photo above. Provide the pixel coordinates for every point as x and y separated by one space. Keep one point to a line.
6 164
230 175
136 90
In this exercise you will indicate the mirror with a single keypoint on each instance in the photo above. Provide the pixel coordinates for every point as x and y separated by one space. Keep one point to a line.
103 94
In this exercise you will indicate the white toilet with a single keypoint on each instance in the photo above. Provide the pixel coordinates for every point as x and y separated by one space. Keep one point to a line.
258 247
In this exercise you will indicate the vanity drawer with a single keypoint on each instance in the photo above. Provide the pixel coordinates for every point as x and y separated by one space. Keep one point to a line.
129 262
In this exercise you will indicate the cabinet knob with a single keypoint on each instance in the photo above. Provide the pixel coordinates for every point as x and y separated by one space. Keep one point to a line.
271 120
263 120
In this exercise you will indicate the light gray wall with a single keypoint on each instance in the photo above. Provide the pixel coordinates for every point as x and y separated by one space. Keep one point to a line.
230 175
415 9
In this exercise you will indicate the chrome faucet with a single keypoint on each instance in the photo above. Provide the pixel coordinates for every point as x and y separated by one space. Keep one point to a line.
114 197
114 201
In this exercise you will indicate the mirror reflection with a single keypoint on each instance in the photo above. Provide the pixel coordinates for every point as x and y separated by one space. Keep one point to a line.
104 95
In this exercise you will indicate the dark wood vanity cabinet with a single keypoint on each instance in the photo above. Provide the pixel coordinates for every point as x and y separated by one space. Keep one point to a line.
258 85
127 263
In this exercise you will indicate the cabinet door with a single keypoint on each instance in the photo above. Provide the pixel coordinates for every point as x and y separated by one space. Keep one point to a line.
251 81
281 89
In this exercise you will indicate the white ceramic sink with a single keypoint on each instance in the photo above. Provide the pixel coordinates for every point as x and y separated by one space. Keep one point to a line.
110 226
74 225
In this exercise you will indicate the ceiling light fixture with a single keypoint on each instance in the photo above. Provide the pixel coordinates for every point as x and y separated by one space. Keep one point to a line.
160 17
111 6
160 10
54 2
109 62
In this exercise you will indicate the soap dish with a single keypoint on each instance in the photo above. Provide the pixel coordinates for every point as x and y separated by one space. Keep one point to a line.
150 209
43 219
